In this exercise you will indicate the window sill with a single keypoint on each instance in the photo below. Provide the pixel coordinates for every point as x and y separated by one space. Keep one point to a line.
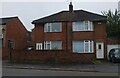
84 31
83 53
48 50
53 32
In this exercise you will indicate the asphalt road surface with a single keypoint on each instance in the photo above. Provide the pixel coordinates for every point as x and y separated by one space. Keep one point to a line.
33 72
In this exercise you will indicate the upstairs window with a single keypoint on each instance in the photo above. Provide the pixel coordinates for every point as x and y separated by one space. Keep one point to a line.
82 26
53 27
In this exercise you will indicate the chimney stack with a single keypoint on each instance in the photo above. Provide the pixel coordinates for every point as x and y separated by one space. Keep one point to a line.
70 7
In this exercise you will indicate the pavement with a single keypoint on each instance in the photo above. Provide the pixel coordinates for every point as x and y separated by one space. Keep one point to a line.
102 67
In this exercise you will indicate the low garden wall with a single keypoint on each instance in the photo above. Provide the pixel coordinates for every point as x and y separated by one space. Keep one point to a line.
51 57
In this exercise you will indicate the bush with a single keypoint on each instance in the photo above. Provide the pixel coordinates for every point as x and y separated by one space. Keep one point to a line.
94 61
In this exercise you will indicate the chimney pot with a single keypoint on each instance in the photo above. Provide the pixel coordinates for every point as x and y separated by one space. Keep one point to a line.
70 7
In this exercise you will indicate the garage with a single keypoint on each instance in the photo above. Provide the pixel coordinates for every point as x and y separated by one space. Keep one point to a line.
109 47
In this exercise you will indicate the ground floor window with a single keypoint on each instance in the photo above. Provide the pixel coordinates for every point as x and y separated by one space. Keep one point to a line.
11 44
38 46
53 45
85 46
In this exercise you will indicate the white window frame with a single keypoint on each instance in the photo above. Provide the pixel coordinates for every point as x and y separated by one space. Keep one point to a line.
86 42
45 45
38 46
50 43
46 26
87 26
90 44
50 25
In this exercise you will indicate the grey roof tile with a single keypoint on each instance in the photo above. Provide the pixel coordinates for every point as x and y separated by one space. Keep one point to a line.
76 15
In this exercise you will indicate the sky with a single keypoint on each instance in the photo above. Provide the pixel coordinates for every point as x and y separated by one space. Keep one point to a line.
29 10
119 6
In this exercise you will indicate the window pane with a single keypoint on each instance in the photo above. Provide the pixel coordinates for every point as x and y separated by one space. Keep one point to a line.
99 46
78 26
0 43
53 45
86 25
82 26
78 46
83 46
47 46
91 26
56 45
56 27
48 28
38 46
91 46
53 27
45 27
86 44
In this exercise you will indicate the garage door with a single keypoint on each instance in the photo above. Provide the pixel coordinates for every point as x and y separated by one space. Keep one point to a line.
109 47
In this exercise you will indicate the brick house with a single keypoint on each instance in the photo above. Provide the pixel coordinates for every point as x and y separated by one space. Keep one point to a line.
13 35
77 33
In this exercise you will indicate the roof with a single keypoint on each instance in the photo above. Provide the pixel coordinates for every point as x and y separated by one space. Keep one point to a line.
3 21
76 15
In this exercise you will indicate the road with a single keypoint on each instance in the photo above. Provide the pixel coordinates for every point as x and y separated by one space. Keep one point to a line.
33 72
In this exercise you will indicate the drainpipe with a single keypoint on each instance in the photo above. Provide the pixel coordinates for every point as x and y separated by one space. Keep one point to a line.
66 37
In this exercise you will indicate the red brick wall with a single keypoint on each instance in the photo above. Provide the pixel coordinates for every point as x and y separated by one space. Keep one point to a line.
113 41
16 32
83 35
38 35
51 57
98 35
100 31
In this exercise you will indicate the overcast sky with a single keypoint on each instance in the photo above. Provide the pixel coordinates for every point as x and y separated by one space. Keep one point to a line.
29 11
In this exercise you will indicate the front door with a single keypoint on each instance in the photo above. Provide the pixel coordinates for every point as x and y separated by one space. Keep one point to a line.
99 50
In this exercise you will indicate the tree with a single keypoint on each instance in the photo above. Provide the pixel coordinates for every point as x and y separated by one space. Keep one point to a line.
113 24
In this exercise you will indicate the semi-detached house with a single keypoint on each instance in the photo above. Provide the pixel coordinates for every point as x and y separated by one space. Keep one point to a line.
77 33
13 36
